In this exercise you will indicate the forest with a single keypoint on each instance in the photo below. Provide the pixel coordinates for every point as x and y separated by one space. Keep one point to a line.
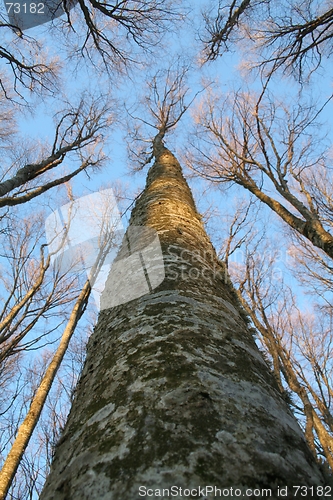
241 92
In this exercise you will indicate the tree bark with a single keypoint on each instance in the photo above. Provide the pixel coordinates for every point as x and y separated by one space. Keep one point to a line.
174 390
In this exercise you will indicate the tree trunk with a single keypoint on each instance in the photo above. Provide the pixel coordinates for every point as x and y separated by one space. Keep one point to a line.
174 391
31 419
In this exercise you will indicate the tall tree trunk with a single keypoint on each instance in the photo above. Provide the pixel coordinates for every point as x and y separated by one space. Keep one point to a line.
174 390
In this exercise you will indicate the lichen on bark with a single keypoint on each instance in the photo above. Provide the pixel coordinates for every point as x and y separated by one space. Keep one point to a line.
174 390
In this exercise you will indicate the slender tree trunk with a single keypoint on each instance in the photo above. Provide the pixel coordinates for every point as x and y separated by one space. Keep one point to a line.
174 390
28 425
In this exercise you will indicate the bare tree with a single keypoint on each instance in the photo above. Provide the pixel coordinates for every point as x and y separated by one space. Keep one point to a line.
27 427
30 290
25 64
267 146
35 462
117 33
79 131
221 25
166 100
184 344
294 36
137 23
298 342
13 341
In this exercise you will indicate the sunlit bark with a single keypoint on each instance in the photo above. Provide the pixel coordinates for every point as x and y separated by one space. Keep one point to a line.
174 390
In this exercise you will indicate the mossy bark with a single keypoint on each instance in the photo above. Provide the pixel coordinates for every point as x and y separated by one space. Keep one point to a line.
174 390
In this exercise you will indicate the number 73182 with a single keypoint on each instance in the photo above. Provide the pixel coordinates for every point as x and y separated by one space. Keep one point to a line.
25 8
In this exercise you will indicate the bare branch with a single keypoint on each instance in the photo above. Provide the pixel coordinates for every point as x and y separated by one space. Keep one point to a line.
259 144
79 131
288 35
165 102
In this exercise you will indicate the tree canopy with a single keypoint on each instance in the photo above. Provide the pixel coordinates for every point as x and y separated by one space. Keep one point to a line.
242 91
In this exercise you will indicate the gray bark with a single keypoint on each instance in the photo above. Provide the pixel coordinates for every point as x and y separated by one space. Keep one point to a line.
174 390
